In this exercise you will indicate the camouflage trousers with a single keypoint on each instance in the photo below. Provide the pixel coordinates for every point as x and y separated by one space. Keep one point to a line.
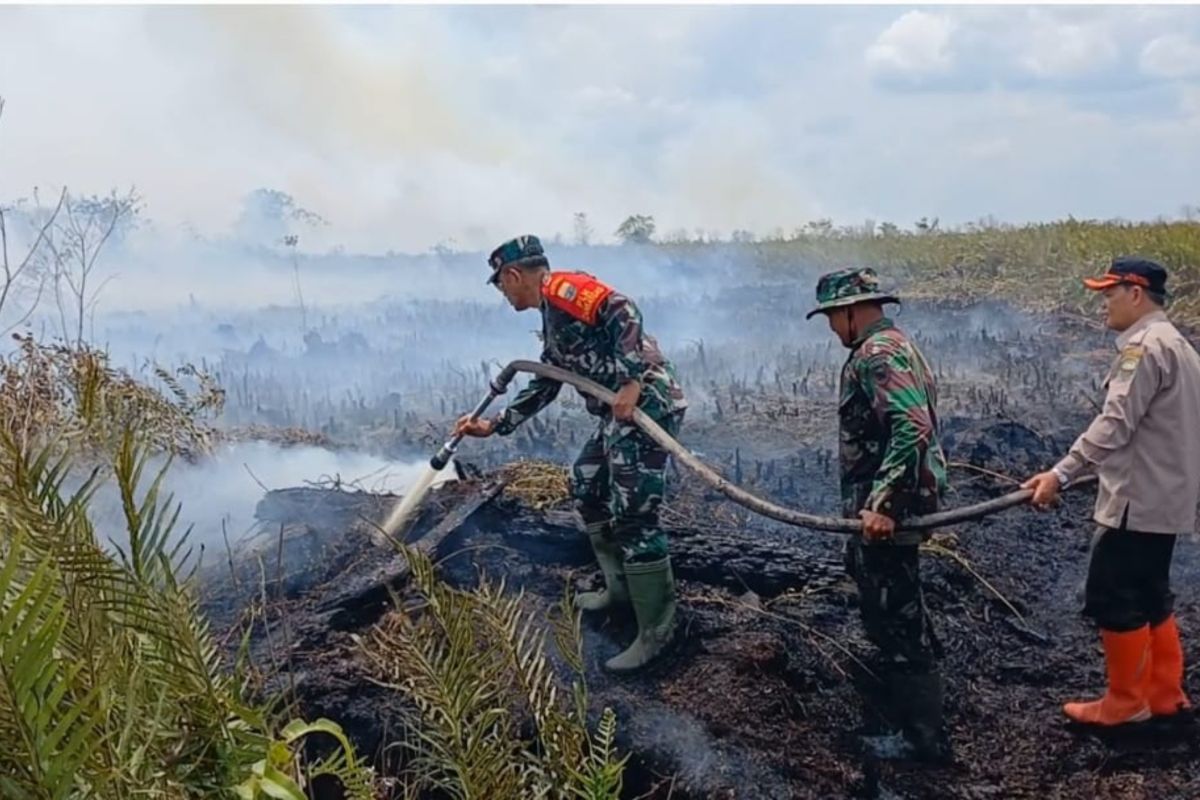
618 487
892 605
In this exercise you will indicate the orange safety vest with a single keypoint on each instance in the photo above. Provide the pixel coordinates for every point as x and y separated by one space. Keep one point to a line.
576 293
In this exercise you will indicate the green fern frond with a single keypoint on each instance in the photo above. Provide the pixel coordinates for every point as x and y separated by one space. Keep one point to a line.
48 719
473 663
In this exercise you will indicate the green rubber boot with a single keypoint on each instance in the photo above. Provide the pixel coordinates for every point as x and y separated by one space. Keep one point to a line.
652 593
615 592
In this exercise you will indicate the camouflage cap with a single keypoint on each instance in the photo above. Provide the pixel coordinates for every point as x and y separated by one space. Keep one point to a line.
847 287
514 250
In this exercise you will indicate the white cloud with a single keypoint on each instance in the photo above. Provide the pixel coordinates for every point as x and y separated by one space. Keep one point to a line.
1172 55
918 43
995 147
1067 48
1189 104
604 97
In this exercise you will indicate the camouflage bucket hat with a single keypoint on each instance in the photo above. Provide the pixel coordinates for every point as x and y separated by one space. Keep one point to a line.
847 287
514 250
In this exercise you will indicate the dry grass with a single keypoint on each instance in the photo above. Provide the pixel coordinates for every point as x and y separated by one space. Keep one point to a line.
1035 266
283 436
75 398
537 484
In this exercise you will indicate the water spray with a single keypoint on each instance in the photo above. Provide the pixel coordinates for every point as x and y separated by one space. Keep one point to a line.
401 515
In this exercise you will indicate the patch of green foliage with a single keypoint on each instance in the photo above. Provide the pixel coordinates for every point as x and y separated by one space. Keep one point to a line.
491 719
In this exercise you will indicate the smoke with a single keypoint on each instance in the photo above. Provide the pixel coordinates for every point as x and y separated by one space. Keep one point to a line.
395 334
334 87
341 342
685 739
160 269
411 126
700 760
402 126
218 495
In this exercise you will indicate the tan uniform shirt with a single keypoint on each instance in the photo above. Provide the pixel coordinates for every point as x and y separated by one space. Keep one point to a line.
1145 444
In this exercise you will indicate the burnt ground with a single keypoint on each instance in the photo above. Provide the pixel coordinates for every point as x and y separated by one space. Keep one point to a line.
768 693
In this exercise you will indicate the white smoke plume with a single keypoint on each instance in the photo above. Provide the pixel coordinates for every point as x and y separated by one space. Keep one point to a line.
218 495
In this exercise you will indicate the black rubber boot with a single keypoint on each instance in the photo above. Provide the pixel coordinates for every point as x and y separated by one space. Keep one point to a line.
918 700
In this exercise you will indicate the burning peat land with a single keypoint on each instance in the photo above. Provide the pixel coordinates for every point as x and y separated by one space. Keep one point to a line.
769 692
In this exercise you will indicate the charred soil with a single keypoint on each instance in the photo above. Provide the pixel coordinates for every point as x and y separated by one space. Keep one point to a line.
769 691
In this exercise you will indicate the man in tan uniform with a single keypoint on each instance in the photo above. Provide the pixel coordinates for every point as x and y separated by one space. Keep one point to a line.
1145 447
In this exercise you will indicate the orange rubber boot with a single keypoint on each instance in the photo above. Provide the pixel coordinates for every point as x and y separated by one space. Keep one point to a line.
1165 692
1127 658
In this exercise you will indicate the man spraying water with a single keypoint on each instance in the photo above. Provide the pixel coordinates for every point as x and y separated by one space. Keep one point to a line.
617 481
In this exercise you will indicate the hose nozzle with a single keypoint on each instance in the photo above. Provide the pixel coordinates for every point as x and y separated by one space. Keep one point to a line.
443 456
497 387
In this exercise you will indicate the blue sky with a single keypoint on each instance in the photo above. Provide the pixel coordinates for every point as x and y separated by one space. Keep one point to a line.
409 126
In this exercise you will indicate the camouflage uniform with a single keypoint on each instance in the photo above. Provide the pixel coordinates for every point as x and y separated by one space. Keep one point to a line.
891 463
618 479
618 487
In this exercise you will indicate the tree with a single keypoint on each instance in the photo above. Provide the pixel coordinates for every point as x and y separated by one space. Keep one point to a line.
268 216
290 243
925 225
65 247
822 228
23 280
636 229
677 236
74 240
741 236
583 229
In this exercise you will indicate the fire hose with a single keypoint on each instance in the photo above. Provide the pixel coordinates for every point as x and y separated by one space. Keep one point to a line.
756 504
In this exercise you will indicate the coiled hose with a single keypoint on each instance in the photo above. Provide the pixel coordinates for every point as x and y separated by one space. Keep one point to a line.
756 504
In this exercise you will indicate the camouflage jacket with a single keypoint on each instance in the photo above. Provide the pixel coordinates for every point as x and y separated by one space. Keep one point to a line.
892 461
611 352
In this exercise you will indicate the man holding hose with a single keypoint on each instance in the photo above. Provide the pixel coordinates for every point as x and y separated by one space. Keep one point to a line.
892 467
617 481
1145 447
